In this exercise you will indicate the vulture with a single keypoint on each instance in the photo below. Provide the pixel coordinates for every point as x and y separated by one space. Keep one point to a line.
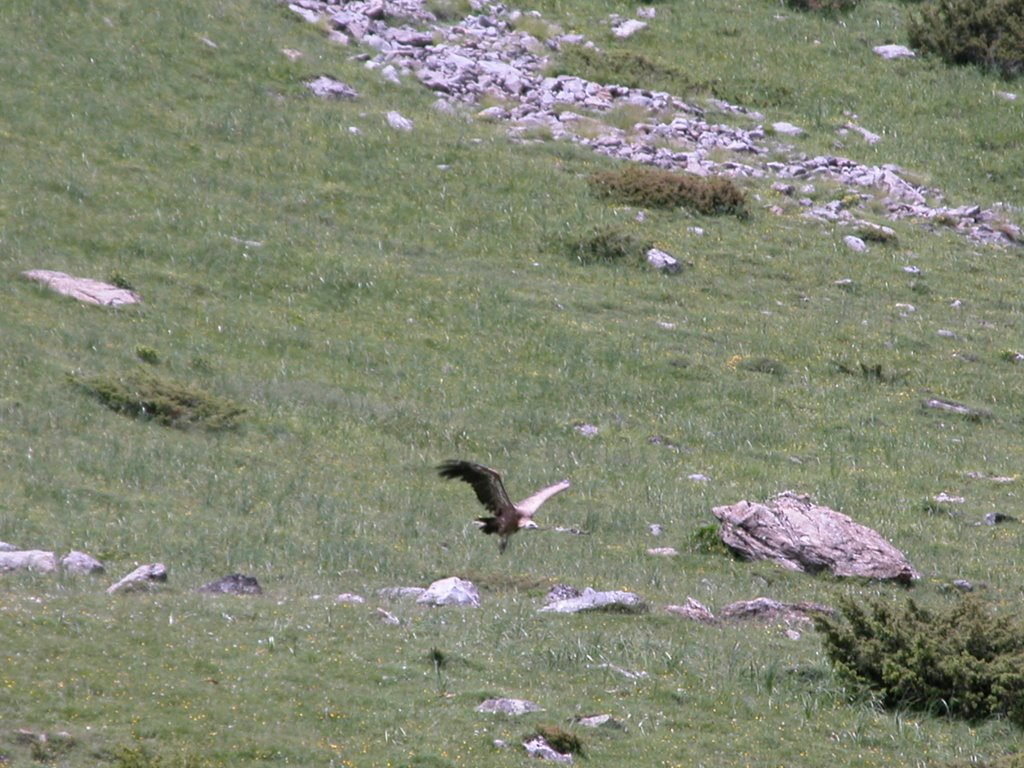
507 518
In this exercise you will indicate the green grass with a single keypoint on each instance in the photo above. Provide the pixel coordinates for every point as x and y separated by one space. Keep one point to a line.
378 302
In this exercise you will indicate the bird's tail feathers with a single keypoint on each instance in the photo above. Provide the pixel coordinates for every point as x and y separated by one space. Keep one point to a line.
488 524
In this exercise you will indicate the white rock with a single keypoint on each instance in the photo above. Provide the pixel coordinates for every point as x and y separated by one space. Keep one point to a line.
628 28
451 591
855 244
507 706
591 600
787 129
399 123
658 259
28 560
894 52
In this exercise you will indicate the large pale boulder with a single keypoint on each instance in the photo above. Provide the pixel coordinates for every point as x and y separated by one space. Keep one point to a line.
27 560
802 536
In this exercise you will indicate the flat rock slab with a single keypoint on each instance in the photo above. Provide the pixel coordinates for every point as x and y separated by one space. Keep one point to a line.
590 600
802 536
507 706
83 288
27 560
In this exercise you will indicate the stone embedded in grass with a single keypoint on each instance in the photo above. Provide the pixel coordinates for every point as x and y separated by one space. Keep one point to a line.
658 259
233 584
591 600
693 609
893 51
326 87
80 563
504 706
28 560
84 289
143 578
451 591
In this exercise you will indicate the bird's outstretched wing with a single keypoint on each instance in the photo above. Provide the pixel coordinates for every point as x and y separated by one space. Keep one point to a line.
486 483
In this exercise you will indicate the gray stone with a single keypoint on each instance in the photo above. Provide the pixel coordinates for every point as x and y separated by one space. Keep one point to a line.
80 563
27 560
143 578
590 600
505 706
799 535
328 88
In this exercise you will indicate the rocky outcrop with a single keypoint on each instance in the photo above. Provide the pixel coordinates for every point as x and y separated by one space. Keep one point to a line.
797 534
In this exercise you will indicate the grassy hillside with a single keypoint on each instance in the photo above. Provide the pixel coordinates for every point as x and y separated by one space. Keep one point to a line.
378 301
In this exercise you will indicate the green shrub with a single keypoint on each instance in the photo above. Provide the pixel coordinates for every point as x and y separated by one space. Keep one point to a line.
964 662
605 245
648 187
144 395
988 33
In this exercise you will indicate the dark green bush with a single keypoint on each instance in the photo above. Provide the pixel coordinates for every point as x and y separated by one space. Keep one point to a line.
965 661
605 245
144 395
823 6
648 187
988 33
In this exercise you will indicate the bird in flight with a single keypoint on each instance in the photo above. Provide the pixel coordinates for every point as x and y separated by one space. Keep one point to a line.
507 518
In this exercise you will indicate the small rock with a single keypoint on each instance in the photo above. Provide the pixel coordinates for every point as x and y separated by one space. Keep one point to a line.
328 88
233 584
698 477
539 748
143 577
81 563
600 721
663 551
890 52
655 529
451 591
388 618
628 28
692 609
587 430
561 592
658 259
399 123
350 598
507 706
855 244
787 129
